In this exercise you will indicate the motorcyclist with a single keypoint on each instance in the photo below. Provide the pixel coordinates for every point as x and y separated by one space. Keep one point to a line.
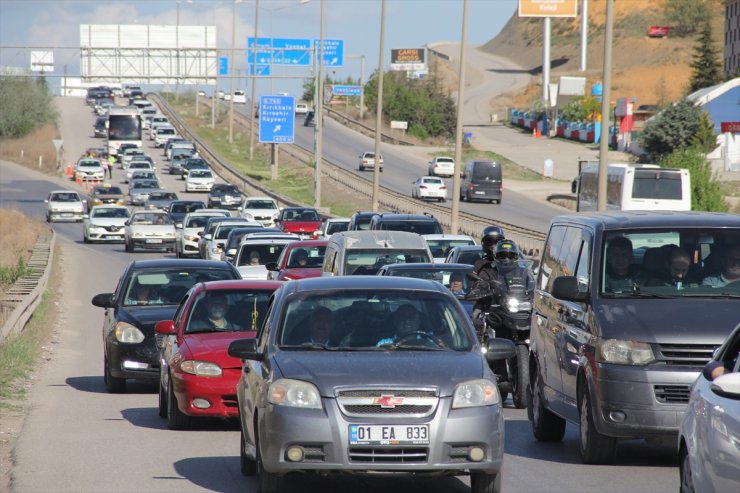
485 269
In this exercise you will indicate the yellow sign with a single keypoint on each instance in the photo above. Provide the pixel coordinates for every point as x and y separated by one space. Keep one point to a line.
548 8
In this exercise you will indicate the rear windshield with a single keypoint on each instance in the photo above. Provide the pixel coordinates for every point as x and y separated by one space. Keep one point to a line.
336 227
418 227
368 261
259 254
260 204
656 185
486 172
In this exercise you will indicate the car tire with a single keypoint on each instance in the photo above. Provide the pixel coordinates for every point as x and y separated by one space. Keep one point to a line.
176 420
546 426
112 384
685 474
521 377
85 239
362 168
485 483
129 247
267 482
247 464
594 447
162 401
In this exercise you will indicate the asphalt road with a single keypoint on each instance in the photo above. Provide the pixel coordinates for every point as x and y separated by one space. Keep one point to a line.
78 438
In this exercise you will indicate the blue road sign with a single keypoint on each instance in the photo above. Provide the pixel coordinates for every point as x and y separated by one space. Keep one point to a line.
223 65
333 52
338 90
264 57
280 51
277 119
263 70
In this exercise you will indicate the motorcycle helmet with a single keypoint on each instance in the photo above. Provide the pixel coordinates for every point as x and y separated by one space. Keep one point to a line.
507 251
490 237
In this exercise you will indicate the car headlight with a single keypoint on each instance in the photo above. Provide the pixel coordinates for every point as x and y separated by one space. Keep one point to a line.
137 234
55 209
201 368
514 305
248 217
294 393
624 352
475 393
128 334
192 237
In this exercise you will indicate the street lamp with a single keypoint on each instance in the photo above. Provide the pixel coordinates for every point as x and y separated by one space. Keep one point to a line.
318 113
177 48
231 71
455 210
379 110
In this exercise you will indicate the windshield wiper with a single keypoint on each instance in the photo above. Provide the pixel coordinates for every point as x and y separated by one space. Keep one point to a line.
310 345
723 294
410 347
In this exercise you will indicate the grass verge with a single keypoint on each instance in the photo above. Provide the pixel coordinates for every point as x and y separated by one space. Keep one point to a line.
511 170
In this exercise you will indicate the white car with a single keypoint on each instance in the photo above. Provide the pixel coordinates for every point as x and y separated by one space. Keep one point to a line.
187 233
240 97
367 160
138 165
429 188
89 170
255 253
330 226
130 154
163 134
215 243
264 210
441 245
105 223
157 120
199 180
301 108
64 205
150 229
442 166
156 125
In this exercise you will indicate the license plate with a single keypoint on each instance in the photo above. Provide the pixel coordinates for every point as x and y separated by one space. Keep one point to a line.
388 434
66 214
480 193
154 241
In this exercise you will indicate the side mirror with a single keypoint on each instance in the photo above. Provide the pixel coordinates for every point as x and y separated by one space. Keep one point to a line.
178 225
46 201
272 266
566 288
165 327
231 252
245 349
208 236
727 385
574 186
498 349
127 223
103 300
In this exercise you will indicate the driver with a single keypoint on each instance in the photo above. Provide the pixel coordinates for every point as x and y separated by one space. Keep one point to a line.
407 326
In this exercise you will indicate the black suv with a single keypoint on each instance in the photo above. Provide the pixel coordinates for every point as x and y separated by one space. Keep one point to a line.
360 220
423 224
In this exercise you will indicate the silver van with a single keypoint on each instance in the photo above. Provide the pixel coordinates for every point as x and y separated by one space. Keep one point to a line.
481 180
364 252
629 307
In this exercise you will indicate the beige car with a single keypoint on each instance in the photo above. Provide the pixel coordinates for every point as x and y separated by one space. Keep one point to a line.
367 160
150 229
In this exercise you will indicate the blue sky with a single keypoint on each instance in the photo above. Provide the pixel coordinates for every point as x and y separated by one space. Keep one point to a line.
409 24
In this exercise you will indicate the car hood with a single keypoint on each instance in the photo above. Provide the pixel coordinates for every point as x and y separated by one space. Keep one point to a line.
213 347
252 271
200 179
145 317
108 221
331 369
300 226
166 229
300 273
682 320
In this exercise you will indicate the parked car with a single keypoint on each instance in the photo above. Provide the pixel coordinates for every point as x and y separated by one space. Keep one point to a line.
302 221
709 435
197 377
199 180
188 228
367 160
441 166
442 244
330 226
106 194
338 411
298 260
149 229
429 188
147 292
264 210
64 205
105 223
225 196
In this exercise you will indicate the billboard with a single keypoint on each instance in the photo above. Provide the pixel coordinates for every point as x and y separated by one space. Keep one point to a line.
548 8
408 59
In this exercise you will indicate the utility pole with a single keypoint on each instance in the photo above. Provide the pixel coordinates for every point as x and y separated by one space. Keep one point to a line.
362 86
584 34
455 211
605 107
546 61
231 73
319 113
254 80
379 110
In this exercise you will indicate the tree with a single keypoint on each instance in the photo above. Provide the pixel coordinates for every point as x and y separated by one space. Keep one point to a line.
685 15
706 194
25 106
704 139
671 130
581 109
706 70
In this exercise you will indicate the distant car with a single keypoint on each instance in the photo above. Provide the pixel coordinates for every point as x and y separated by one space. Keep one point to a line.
64 205
330 226
89 170
192 164
261 209
134 165
360 220
301 108
429 188
106 194
215 242
256 251
140 190
367 160
441 166
142 174
179 208
197 377
162 134
240 97
302 221
225 196
199 180
100 129
130 154
465 254
709 434
441 244
299 260
423 224
160 199
105 223
150 229
147 291
220 94
234 239
189 226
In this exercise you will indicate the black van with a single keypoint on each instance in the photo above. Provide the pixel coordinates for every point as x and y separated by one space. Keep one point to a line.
628 308
482 180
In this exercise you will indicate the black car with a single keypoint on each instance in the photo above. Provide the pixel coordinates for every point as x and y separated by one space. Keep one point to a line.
224 196
190 164
231 247
147 292
360 220
101 130
423 224
179 208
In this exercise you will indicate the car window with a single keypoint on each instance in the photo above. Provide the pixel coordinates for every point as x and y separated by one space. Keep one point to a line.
368 261
549 267
108 212
238 310
264 254
168 286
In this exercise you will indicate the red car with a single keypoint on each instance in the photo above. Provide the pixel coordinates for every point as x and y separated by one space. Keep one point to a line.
303 221
197 377
298 260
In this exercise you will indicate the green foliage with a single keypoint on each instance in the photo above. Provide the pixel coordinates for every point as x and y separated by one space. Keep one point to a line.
706 194
420 102
706 70
704 139
581 109
309 87
26 104
8 275
671 130
685 16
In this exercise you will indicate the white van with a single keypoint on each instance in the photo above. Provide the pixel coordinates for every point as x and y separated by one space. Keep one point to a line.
364 252
240 97
629 188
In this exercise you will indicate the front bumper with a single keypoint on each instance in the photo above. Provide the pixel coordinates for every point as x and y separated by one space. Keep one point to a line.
324 435
57 216
198 187
188 247
220 392
153 244
139 361
102 234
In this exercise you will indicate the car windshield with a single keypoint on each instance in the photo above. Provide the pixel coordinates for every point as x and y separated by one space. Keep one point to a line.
303 257
224 189
440 248
442 275
139 165
145 184
336 227
469 256
300 215
223 232
200 173
258 254
157 218
418 227
65 197
109 212
108 191
368 261
163 196
228 310
378 320
168 286
260 204
187 207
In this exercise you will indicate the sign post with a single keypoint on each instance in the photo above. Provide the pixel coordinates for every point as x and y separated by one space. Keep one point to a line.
58 143
277 125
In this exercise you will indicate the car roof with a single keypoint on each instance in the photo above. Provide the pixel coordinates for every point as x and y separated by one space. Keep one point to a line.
238 284
427 266
467 248
307 243
381 239
444 236
365 282
649 219
178 263
405 217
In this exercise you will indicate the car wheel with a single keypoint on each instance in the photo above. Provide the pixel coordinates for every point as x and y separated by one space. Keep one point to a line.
520 377
162 401
595 448
129 247
247 464
176 420
546 426
48 218
267 482
362 168
485 483
85 239
684 464
112 384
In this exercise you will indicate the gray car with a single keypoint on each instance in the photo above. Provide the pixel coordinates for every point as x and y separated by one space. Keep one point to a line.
358 375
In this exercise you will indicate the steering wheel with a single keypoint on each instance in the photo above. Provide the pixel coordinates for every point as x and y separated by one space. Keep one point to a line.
421 334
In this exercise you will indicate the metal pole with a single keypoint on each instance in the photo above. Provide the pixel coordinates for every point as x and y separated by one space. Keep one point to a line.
605 106
319 113
214 102
272 48
197 99
379 110
254 80
455 211
231 72
177 53
362 86
584 34
546 61
275 161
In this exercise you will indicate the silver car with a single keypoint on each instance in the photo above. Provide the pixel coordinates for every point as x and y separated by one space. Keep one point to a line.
150 229
64 205
187 232
356 385
105 223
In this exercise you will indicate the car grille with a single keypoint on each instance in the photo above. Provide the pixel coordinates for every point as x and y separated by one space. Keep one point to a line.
230 401
388 455
160 339
387 402
113 229
672 394
694 355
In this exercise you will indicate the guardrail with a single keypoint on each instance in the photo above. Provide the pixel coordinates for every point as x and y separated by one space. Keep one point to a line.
364 129
529 240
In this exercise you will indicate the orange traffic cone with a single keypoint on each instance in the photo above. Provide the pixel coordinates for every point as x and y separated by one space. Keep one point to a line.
69 170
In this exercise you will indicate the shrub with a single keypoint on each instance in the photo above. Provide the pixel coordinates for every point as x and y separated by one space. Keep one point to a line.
671 130
706 194
25 106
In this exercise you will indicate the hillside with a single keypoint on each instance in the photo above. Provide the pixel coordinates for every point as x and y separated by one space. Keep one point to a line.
653 70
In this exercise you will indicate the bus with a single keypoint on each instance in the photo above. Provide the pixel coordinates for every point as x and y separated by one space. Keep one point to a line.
629 188
124 127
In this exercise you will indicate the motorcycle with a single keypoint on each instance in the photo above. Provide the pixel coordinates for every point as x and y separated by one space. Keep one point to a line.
508 316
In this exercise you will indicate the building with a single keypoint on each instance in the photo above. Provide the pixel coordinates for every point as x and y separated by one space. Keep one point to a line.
732 38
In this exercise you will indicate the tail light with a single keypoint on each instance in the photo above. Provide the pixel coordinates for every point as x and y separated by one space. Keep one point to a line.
471 187
501 188
423 186
443 187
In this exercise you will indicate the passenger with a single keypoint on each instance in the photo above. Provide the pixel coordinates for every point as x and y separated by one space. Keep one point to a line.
677 268
620 273
144 294
730 262
300 258
216 307
254 258
456 284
